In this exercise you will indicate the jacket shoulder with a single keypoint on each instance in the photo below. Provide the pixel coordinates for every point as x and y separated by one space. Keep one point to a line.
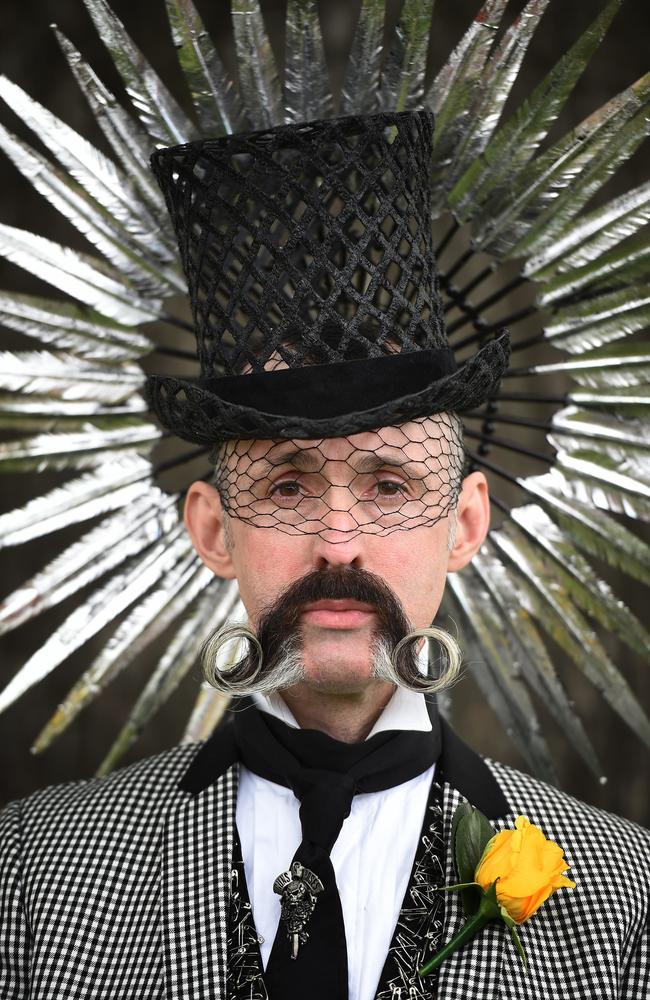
525 792
131 796
604 850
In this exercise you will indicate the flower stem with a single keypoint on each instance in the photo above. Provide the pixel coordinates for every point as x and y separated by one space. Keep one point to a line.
467 931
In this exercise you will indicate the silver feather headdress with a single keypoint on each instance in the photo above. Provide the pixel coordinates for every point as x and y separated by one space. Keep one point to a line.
514 223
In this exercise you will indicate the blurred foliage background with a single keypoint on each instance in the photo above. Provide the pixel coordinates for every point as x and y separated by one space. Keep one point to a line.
31 57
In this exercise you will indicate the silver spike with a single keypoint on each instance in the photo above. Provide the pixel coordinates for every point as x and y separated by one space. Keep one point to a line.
508 154
360 91
144 623
305 60
120 536
603 426
178 658
206 714
575 573
159 112
79 275
106 488
129 141
592 530
59 374
33 413
65 325
125 211
602 483
502 681
82 450
258 75
483 76
126 254
454 89
600 320
562 620
541 204
97 611
537 666
615 365
402 81
214 96
592 236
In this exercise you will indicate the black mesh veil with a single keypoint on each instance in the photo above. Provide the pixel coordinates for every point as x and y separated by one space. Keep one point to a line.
373 482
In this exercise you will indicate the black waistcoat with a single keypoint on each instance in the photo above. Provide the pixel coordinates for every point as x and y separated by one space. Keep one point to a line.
416 937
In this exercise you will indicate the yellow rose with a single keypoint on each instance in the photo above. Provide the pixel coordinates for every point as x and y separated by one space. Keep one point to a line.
529 868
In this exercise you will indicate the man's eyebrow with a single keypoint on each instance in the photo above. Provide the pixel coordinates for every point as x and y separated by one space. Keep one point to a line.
372 461
304 459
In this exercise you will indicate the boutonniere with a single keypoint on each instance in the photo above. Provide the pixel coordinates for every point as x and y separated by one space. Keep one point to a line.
503 876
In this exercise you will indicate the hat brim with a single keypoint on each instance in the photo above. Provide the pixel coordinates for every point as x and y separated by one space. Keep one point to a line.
201 415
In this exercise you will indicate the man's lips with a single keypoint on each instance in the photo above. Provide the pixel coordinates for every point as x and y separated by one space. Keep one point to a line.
338 614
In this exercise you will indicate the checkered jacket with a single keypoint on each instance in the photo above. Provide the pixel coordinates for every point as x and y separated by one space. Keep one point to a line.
117 888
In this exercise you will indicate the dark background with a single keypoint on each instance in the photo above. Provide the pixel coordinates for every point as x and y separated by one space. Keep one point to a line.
31 58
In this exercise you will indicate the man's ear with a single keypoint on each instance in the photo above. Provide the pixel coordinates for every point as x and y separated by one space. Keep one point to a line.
205 522
472 521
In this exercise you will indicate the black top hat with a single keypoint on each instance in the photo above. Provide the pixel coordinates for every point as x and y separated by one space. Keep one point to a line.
308 254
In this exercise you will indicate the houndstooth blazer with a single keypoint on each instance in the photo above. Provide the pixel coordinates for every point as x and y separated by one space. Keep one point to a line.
118 888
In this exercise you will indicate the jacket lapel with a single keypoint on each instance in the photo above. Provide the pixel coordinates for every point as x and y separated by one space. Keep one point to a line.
474 971
195 879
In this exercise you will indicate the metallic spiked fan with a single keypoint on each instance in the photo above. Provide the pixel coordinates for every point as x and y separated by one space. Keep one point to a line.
514 224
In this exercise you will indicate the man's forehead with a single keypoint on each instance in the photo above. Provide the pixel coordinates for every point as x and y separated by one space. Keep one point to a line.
415 439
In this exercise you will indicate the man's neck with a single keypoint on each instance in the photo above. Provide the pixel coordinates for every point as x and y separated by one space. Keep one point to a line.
347 716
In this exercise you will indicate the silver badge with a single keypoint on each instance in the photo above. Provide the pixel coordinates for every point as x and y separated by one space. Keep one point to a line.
298 889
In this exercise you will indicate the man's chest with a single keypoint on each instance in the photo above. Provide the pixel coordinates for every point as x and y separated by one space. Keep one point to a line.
388 862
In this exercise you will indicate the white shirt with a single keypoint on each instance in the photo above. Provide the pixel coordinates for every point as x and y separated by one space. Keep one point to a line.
372 857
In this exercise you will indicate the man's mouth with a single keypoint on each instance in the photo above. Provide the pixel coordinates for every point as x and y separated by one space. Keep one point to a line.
338 614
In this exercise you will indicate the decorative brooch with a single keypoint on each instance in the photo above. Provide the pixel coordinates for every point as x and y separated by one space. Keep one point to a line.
298 889
503 876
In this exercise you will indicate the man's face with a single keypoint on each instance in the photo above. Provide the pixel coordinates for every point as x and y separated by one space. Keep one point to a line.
366 479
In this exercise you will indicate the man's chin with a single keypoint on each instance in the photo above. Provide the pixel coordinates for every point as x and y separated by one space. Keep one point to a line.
331 679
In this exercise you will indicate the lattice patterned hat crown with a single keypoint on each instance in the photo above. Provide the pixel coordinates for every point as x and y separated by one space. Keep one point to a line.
307 247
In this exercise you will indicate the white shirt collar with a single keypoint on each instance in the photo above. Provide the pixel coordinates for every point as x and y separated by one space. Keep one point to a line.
405 710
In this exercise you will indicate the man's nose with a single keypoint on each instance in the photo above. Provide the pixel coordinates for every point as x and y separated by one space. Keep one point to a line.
339 541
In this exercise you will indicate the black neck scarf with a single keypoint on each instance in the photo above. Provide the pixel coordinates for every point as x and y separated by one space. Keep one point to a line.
309 954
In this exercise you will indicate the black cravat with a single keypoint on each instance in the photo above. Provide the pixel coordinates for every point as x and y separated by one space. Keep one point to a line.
324 774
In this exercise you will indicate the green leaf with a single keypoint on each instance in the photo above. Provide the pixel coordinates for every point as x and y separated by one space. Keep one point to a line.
471 832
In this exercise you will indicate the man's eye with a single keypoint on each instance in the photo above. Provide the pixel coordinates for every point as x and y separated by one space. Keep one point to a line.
286 489
389 488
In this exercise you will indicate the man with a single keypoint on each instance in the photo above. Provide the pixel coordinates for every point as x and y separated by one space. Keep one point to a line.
301 850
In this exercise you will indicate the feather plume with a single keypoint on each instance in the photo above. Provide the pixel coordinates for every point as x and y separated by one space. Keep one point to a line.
159 112
305 59
179 657
122 535
214 95
109 487
258 75
71 327
79 275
